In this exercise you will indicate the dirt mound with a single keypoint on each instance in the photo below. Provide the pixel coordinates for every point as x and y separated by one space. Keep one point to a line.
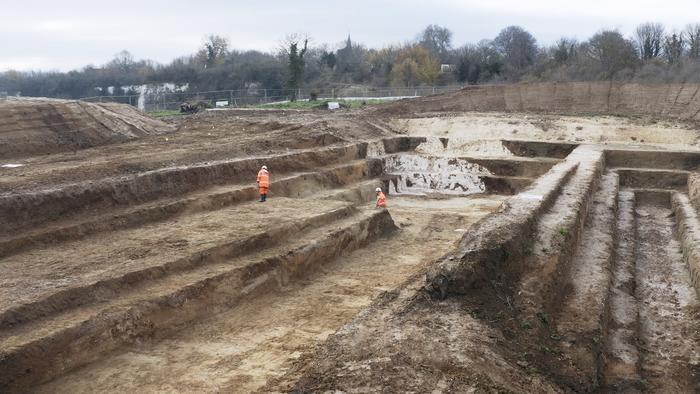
676 101
31 127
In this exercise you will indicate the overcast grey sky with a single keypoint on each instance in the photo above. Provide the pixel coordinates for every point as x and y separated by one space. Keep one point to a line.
69 34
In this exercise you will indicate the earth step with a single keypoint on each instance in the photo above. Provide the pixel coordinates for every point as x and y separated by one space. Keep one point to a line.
46 348
526 148
620 361
289 185
688 231
463 182
360 192
529 167
113 260
558 230
581 321
507 185
670 160
510 166
498 245
647 178
24 210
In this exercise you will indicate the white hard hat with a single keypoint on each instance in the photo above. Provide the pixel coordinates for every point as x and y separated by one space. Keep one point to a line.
378 189
264 167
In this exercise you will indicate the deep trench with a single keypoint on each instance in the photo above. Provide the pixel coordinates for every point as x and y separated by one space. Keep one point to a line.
237 306
666 300
156 263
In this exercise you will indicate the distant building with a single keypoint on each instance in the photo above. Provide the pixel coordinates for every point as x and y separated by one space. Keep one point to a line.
447 68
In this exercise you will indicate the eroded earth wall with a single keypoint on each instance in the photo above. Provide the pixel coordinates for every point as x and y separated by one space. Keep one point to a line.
678 101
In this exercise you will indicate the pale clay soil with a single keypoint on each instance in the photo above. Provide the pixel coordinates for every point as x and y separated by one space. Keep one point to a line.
465 131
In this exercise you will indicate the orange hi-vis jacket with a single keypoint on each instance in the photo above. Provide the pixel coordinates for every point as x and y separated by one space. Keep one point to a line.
381 199
263 179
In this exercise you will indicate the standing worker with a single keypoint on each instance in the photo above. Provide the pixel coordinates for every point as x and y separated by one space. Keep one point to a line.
263 183
381 198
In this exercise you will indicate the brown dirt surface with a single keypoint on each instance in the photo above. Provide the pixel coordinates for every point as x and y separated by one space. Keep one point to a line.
406 342
25 277
240 350
30 127
135 257
201 138
668 307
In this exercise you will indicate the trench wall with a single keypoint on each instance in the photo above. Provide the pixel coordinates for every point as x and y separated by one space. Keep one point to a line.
678 101
22 210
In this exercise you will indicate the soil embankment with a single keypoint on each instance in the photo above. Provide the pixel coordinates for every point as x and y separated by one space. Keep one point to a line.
30 127
675 101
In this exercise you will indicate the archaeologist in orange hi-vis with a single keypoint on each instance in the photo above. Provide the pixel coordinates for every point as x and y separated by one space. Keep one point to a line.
381 198
263 183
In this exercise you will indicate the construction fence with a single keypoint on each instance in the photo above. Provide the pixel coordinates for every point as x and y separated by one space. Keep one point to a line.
164 101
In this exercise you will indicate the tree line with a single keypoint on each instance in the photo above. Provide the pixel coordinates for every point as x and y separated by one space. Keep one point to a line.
651 54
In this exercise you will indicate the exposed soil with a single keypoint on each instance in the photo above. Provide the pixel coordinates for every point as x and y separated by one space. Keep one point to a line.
206 139
472 131
29 127
668 306
38 273
528 246
239 350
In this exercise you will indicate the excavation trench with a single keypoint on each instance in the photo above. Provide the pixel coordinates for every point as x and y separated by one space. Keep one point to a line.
667 302
162 258
630 320
184 283
277 325
517 254
24 210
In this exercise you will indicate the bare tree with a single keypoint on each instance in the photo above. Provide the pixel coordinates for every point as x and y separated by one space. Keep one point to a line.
518 48
123 61
649 37
611 52
382 63
692 37
674 46
437 40
213 51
